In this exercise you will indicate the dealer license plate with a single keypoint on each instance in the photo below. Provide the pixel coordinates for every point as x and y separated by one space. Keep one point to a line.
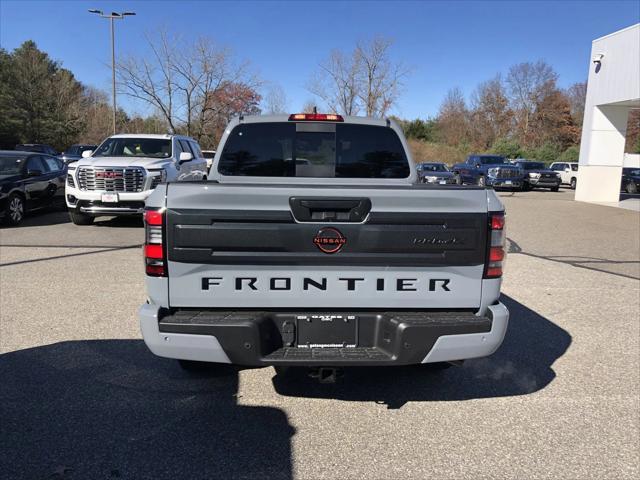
507 182
318 331
109 198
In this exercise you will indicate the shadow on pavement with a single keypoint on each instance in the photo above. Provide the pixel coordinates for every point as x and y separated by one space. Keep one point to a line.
596 264
132 221
522 365
110 409
41 218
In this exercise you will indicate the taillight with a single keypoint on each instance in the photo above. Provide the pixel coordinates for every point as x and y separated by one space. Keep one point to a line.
315 117
154 254
495 246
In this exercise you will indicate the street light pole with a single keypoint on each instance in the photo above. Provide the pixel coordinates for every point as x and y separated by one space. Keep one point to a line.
113 16
113 74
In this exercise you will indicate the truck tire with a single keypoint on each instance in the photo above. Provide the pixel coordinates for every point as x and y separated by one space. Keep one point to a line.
481 182
457 179
80 218
14 213
573 183
631 188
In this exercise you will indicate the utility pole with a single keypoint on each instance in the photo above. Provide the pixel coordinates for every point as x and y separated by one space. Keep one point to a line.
113 16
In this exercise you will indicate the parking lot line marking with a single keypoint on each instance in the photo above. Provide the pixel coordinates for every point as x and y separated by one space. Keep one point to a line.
68 256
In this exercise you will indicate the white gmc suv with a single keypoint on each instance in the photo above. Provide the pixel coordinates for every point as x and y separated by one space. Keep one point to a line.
121 173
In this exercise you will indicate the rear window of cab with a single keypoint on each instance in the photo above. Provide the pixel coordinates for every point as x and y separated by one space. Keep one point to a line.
320 150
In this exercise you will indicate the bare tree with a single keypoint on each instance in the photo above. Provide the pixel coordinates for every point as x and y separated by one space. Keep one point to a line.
365 79
577 95
379 79
152 80
276 100
336 82
528 83
184 81
308 106
97 116
453 118
490 112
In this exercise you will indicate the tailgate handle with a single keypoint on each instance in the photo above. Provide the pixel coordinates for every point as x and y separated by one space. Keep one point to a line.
330 209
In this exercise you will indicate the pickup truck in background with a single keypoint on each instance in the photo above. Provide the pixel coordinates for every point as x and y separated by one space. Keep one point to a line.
489 170
313 244
537 175
568 172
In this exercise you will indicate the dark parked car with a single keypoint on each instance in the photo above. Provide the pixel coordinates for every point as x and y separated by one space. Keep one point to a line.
74 152
630 180
492 170
36 147
436 173
29 181
537 175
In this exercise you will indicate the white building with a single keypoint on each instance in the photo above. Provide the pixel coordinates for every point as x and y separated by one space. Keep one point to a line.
613 89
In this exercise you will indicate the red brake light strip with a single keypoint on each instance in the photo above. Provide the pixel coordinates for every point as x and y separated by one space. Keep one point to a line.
315 117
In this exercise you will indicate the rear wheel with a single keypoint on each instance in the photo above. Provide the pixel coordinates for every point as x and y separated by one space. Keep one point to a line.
631 188
457 179
14 212
573 183
481 181
80 218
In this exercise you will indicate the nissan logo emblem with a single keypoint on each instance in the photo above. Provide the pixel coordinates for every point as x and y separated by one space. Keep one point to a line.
329 240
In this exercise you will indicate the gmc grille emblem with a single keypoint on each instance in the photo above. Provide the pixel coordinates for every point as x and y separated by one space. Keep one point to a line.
109 175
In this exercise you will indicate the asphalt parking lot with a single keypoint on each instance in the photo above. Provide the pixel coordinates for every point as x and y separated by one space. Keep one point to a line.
81 397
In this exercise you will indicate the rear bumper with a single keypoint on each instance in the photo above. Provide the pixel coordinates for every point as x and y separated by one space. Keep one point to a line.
383 338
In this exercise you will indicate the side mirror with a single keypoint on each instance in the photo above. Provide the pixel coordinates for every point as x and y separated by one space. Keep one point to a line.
185 157
34 173
86 153
567 169
477 165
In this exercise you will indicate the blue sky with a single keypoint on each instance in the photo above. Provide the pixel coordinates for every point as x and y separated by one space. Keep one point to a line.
445 43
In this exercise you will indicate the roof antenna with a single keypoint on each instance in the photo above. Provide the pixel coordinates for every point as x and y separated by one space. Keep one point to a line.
315 110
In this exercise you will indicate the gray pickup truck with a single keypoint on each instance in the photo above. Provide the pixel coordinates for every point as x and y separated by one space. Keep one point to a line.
313 244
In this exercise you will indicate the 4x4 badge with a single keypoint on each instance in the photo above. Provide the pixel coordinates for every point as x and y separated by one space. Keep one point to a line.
329 240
